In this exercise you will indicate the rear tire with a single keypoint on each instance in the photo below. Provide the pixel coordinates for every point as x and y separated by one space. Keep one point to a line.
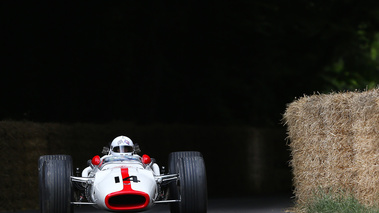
192 185
55 189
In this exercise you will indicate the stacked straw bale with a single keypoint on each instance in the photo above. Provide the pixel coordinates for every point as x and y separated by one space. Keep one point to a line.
334 141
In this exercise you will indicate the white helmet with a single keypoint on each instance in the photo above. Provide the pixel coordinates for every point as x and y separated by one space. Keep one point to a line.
122 145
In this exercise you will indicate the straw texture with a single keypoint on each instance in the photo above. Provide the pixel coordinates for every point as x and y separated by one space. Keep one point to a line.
334 142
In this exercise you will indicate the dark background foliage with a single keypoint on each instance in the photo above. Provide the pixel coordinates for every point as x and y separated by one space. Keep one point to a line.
212 62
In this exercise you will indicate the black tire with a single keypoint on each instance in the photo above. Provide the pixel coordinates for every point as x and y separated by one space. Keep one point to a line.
174 157
173 160
55 189
193 185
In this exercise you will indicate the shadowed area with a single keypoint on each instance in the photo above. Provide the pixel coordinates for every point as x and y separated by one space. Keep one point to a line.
265 204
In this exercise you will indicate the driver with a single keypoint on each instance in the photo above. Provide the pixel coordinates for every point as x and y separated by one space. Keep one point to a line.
122 146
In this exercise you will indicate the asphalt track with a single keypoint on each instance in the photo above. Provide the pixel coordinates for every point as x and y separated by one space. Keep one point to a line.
264 204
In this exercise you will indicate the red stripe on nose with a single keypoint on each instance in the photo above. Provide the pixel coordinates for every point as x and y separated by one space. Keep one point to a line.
126 182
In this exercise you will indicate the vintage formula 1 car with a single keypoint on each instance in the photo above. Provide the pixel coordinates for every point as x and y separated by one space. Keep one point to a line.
123 183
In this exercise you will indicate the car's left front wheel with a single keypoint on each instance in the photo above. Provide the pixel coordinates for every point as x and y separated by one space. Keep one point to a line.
55 189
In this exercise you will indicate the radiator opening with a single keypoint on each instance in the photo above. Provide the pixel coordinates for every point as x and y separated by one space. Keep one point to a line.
126 200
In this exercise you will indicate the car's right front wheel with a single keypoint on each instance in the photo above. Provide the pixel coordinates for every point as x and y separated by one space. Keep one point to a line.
55 183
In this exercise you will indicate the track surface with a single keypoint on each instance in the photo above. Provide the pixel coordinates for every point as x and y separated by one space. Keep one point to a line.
272 204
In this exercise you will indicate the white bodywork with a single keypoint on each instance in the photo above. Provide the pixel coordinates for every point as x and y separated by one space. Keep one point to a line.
122 183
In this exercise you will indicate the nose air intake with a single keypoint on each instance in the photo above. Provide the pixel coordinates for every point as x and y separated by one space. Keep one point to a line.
127 201
131 200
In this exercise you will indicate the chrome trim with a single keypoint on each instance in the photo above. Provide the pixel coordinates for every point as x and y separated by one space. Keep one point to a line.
83 179
166 201
83 203
162 178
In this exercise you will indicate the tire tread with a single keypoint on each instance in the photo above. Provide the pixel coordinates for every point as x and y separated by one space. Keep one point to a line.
55 184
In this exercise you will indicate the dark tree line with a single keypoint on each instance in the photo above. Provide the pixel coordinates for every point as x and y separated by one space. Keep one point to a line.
220 62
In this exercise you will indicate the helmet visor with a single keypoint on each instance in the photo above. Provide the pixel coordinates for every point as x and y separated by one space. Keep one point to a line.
122 149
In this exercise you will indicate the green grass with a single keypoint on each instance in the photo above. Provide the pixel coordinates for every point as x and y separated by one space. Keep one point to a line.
329 203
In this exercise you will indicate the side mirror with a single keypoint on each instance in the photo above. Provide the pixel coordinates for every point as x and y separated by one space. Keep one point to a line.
105 150
136 148
146 159
95 160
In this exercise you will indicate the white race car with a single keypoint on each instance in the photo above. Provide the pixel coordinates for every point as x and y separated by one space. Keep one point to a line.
123 183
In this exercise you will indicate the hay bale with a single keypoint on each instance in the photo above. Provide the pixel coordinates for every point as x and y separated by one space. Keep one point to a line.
334 144
366 128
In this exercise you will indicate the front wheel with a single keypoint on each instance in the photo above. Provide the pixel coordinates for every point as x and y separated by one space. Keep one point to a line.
55 190
192 186
173 160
